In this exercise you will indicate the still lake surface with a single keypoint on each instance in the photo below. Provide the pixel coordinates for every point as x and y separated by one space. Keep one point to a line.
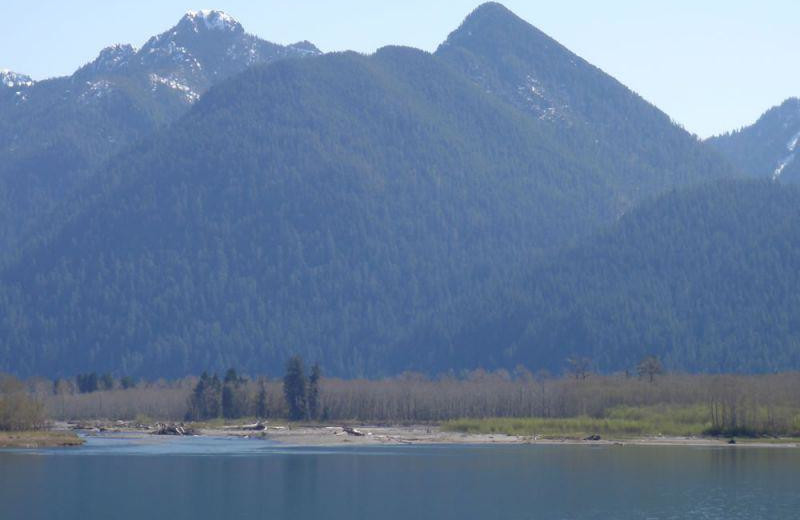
206 478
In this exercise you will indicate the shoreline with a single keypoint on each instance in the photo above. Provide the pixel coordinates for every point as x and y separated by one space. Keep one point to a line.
53 438
334 435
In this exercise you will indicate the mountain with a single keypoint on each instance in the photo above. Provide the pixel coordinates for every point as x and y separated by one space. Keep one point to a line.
320 205
54 133
768 148
341 207
204 48
706 278
11 79
641 150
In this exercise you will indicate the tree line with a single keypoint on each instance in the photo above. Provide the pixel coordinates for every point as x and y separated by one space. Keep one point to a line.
727 404
230 397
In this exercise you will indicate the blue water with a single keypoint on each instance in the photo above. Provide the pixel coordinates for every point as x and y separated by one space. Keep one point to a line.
202 478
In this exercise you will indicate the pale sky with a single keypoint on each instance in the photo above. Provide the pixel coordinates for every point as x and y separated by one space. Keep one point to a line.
713 65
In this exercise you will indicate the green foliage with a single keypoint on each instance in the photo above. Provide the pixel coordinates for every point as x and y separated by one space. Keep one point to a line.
206 399
234 396
621 421
262 408
388 186
704 279
55 134
87 383
314 392
637 147
378 213
127 382
106 382
760 149
295 389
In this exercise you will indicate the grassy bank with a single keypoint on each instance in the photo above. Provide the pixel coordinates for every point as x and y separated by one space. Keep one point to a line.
39 439
625 421
620 421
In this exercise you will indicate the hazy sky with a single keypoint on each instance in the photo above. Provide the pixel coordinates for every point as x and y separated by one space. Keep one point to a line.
713 65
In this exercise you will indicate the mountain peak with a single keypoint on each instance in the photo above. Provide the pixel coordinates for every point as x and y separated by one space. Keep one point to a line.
305 47
489 14
490 9
212 20
11 79
113 58
194 34
493 25
793 103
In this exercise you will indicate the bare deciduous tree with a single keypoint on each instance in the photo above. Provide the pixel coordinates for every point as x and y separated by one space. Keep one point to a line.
649 367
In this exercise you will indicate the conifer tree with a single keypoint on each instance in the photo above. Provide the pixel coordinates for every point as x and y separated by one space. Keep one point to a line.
295 389
313 392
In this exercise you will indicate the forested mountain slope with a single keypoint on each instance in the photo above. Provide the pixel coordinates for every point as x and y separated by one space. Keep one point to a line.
768 148
349 208
641 151
705 278
318 205
54 133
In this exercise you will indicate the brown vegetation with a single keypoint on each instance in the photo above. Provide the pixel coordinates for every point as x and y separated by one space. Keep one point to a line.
714 404
18 409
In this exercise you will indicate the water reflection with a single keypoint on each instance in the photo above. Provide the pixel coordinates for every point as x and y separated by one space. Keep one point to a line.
129 478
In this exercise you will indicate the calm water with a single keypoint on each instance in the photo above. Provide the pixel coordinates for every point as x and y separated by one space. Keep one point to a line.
201 478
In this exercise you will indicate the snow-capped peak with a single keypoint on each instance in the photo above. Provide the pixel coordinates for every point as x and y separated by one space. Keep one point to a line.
11 79
213 20
114 56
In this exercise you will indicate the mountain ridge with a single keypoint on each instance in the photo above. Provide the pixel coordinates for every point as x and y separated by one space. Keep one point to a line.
704 278
374 213
54 133
768 147
590 110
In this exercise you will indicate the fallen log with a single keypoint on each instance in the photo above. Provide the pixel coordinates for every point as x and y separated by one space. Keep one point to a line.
172 429
257 427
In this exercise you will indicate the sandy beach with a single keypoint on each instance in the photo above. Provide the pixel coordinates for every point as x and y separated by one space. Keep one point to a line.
331 435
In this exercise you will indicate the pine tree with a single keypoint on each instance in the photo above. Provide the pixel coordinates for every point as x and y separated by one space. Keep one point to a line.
213 398
106 382
262 410
295 389
234 399
313 392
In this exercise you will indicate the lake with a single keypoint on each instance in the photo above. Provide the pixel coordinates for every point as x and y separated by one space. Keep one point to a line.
206 478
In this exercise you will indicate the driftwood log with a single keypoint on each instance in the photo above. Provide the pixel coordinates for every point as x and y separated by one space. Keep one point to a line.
257 427
352 431
172 429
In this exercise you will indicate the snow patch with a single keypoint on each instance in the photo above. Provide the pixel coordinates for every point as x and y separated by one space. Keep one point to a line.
782 166
249 53
114 57
213 20
11 79
305 48
791 146
535 96
190 95
96 90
